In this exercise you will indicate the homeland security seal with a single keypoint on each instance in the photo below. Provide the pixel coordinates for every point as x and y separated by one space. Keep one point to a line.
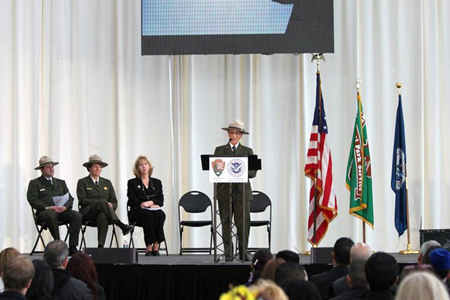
236 168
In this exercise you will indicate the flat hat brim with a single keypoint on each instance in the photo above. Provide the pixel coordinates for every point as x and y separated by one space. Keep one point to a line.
235 128
46 164
101 163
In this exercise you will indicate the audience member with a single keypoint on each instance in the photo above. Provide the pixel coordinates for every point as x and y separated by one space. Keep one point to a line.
426 257
66 287
356 280
424 250
5 255
298 289
259 260
82 267
43 282
288 256
421 285
267 290
17 274
440 260
290 270
270 268
341 259
381 273
359 251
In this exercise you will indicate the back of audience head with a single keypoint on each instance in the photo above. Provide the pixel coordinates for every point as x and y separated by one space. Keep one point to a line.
421 285
424 249
17 274
82 267
7 254
298 289
290 270
360 251
269 270
259 260
356 273
42 283
267 290
341 251
56 254
426 257
381 271
440 260
288 256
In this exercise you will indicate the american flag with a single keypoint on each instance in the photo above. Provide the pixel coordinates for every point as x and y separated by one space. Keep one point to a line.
319 168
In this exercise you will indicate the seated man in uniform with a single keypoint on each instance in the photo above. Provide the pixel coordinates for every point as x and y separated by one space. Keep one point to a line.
40 195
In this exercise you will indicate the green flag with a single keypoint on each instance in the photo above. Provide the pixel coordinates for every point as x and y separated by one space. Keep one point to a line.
359 171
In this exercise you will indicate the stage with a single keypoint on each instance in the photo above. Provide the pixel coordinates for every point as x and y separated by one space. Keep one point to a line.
187 276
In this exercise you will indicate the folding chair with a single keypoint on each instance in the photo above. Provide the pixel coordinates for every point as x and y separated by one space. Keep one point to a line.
259 205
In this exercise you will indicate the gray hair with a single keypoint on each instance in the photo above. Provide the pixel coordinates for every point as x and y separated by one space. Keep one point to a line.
427 245
421 285
55 253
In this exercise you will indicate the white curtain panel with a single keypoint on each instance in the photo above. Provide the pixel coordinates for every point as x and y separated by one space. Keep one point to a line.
73 83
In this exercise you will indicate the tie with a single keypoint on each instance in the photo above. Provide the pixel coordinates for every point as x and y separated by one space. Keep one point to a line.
96 183
233 149
51 182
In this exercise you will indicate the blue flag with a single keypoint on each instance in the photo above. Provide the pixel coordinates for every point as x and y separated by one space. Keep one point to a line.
398 179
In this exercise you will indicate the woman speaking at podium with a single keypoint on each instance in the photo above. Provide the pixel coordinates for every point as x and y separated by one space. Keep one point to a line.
234 148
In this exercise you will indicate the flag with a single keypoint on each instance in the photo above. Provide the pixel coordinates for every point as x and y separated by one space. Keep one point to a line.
319 168
359 171
398 178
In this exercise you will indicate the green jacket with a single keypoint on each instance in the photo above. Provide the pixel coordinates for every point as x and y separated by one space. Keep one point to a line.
40 192
223 191
88 193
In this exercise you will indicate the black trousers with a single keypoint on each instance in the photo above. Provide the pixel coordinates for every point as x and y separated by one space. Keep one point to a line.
152 221
71 217
103 215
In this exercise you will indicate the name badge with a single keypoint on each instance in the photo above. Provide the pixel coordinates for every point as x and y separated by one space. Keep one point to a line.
89 189
41 190
105 188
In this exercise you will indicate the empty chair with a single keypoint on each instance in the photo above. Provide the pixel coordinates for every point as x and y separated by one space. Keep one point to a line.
194 202
259 205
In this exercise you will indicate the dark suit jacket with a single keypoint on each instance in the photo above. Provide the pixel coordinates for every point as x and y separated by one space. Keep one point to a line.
10 295
40 192
136 193
68 288
88 193
352 293
338 287
223 191
324 280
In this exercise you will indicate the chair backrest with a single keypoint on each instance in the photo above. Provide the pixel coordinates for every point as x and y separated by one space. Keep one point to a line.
260 202
194 202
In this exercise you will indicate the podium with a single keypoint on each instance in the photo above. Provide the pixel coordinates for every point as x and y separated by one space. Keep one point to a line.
231 170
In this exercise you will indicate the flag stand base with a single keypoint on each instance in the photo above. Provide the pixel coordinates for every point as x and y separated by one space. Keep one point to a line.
306 253
408 251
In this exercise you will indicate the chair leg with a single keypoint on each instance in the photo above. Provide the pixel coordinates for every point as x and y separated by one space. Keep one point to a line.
211 240
114 236
269 231
181 240
131 244
67 234
167 250
37 240
83 240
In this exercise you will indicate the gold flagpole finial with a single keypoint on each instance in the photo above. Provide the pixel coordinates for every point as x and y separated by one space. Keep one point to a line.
317 57
399 86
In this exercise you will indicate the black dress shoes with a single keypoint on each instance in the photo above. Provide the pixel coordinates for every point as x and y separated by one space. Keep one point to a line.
148 253
155 253
126 230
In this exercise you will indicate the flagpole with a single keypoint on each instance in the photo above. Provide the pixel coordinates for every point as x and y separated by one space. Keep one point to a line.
315 57
358 87
408 246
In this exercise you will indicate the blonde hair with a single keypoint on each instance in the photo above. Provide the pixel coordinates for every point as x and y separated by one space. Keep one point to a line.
422 285
7 254
136 166
268 290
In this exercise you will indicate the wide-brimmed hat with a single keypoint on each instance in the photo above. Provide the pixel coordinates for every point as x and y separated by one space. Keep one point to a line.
95 159
45 161
236 125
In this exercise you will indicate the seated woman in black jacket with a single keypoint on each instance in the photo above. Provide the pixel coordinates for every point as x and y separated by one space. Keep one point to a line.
145 198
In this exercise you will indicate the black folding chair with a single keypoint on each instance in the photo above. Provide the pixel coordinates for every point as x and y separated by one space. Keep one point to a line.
194 202
40 227
85 224
141 250
259 205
